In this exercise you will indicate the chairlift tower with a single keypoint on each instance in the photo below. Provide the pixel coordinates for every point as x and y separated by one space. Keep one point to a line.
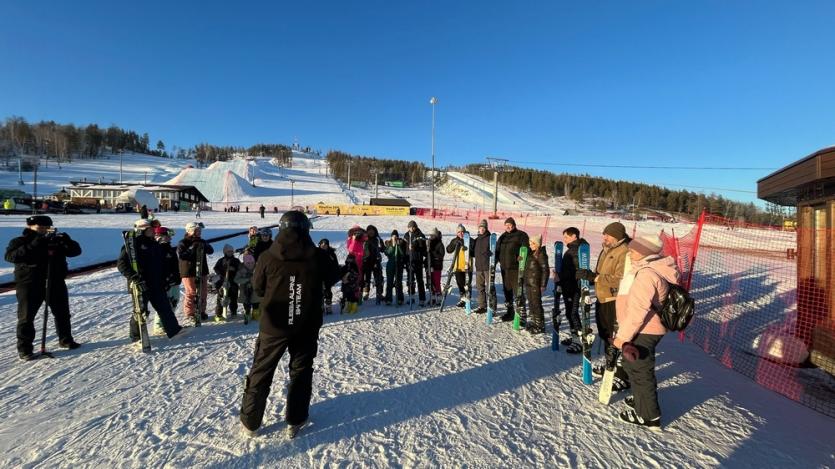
497 165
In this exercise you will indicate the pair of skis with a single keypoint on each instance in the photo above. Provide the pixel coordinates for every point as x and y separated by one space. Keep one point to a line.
491 281
555 315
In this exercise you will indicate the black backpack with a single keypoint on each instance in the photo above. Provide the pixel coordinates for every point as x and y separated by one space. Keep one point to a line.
678 308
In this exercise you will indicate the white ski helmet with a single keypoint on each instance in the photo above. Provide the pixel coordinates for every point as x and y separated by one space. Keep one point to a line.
141 225
192 226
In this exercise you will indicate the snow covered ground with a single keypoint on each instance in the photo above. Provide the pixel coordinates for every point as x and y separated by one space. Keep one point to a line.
393 386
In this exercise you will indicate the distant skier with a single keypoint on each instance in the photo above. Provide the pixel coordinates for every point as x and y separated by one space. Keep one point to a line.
289 277
188 261
507 252
261 210
226 269
536 280
41 249
151 278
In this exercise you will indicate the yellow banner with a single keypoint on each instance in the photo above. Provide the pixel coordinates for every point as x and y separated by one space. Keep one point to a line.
327 209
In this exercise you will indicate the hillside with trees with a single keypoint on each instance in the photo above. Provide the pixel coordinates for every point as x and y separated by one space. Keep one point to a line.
364 167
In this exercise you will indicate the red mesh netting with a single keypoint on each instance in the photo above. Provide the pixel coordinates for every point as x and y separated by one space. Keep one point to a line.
754 313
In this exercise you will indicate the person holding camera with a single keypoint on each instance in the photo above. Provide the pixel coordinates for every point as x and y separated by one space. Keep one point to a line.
40 259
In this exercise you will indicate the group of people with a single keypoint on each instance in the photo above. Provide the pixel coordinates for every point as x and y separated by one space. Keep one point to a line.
288 280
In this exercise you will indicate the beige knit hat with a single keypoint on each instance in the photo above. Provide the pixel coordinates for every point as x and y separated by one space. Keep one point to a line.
646 245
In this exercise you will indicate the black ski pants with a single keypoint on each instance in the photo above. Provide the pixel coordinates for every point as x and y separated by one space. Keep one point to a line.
510 279
375 271
30 297
158 299
606 317
269 348
416 275
394 281
232 291
642 376
572 308
534 297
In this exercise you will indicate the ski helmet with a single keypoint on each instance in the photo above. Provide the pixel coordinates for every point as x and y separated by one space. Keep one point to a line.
192 226
141 224
294 219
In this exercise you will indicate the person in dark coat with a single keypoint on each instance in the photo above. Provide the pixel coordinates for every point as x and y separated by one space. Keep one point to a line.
227 268
325 245
481 254
536 280
151 278
261 210
265 240
569 286
416 244
396 253
188 270
289 277
436 264
507 248
41 249
372 263
163 236
143 212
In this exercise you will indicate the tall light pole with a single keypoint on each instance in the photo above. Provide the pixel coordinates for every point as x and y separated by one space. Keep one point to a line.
433 101
292 184
498 165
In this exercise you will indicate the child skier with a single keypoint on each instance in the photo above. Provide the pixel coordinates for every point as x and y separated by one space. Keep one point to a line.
325 245
226 269
244 281
350 293
163 236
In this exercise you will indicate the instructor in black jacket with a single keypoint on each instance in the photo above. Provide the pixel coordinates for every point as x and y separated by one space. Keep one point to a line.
289 277
507 248
39 250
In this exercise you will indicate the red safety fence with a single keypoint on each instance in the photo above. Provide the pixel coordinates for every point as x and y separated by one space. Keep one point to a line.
764 296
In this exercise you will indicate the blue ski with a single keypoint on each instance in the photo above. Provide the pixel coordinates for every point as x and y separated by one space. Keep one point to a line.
555 314
586 336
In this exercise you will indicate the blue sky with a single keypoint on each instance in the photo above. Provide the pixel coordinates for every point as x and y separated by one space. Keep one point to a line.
648 83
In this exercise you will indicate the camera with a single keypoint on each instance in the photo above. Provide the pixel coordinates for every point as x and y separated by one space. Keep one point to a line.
51 233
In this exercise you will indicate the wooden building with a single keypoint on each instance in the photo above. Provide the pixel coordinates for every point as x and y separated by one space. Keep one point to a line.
170 197
809 185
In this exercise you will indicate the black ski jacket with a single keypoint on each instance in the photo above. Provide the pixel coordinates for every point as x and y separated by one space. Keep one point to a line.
536 269
508 246
569 266
373 248
260 247
289 277
186 252
436 253
481 252
150 258
172 264
30 254
417 242
226 264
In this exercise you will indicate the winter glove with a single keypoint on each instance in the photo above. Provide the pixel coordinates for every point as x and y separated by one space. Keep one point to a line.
611 356
585 274
630 352
140 284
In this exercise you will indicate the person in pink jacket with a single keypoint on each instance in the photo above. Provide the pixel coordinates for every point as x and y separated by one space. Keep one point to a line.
356 246
641 293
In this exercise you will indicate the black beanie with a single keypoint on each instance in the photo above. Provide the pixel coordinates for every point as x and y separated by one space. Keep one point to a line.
40 220
511 221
